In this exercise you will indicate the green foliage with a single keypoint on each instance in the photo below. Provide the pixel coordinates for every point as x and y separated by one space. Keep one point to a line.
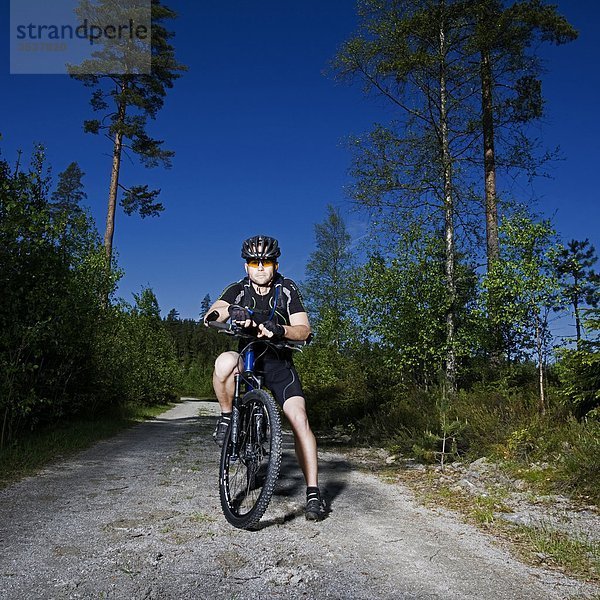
331 278
579 370
403 304
520 290
138 362
69 190
335 385
522 283
491 414
63 350
506 35
196 348
52 283
579 283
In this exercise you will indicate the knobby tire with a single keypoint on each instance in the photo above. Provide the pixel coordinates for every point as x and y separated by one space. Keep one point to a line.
247 483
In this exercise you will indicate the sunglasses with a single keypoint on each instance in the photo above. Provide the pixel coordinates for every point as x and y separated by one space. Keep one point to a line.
265 263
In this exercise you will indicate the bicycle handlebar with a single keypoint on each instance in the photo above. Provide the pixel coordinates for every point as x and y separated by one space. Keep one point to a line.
236 331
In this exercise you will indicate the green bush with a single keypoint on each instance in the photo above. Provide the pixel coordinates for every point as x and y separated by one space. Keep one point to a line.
579 462
404 420
53 278
335 386
196 380
65 349
136 360
579 371
490 415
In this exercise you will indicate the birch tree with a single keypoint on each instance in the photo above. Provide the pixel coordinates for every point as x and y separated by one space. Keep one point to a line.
525 280
409 52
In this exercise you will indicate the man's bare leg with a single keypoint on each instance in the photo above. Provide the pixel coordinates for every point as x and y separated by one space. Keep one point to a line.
306 452
224 379
226 366
304 439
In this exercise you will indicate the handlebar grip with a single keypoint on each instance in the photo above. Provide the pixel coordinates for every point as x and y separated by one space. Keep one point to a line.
294 345
219 325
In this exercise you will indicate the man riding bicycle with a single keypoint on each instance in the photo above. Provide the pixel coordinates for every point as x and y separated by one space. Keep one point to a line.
269 305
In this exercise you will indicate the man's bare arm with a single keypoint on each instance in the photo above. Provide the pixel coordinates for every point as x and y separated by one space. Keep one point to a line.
298 330
222 308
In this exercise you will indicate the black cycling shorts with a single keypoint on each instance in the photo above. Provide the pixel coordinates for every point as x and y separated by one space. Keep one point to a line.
281 379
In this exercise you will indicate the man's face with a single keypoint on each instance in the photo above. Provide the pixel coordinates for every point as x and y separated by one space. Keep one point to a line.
260 273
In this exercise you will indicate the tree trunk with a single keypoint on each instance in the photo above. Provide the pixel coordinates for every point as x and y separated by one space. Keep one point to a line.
491 205
576 310
448 223
489 161
577 323
114 183
540 357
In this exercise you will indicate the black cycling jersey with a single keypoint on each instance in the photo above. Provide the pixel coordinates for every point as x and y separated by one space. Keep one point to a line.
284 299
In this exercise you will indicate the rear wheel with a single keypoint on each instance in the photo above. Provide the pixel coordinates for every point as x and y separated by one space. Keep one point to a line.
248 477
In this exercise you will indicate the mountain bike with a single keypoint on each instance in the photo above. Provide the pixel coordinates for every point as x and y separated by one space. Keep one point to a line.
251 452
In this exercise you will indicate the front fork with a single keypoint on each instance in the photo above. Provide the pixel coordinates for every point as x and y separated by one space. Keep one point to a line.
235 419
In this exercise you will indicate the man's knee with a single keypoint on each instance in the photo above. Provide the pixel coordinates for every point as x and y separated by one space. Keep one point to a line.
226 364
295 411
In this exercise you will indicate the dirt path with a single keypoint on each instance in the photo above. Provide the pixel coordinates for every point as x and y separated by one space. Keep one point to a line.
138 517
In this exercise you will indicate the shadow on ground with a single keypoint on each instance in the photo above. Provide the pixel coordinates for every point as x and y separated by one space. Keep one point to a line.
291 484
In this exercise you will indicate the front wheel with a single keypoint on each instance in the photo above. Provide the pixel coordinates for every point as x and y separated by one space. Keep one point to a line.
248 473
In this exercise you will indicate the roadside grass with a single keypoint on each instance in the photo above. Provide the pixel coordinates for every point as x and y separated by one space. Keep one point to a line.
538 545
575 555
34 451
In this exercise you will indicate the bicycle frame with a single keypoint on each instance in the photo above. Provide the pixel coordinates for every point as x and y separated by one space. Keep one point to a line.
247 379
251 452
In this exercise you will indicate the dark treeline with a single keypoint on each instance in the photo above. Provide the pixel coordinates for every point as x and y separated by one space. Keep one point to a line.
196 348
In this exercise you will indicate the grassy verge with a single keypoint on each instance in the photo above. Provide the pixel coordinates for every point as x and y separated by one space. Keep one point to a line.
538 545
32 452
574 554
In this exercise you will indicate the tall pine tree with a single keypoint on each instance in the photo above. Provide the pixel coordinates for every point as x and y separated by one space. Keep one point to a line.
129 98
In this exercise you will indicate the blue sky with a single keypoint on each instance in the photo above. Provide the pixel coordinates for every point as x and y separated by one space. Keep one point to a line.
258 133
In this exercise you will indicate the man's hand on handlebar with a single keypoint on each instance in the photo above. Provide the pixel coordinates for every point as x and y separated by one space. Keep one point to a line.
240 316
271 330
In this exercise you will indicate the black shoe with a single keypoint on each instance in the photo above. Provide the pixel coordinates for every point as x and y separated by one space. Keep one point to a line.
315 509
221 430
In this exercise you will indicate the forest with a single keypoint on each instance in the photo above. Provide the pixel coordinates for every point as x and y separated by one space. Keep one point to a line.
436 340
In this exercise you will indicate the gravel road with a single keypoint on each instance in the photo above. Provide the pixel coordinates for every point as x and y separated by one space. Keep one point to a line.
138 517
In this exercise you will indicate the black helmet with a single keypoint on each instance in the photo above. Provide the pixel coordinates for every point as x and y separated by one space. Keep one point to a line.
260 247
